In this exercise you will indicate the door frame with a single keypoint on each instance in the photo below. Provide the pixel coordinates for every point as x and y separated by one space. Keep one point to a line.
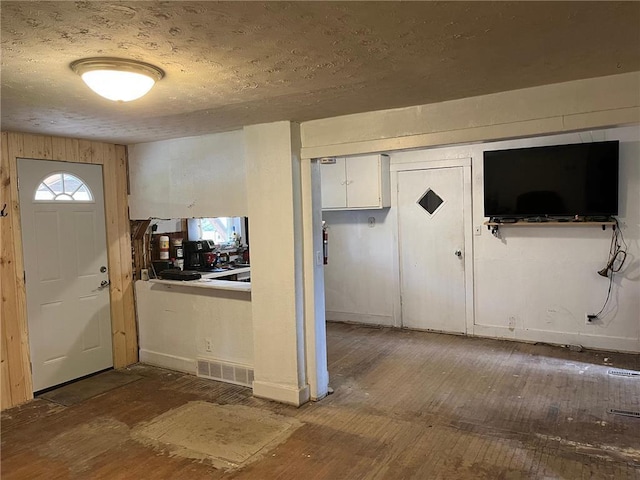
467 220
16 379
54 167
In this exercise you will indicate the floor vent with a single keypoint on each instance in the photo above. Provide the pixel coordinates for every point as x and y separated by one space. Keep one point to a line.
624 373
225 372
626 413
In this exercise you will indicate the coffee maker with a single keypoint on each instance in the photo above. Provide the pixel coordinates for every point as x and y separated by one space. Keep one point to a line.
200 255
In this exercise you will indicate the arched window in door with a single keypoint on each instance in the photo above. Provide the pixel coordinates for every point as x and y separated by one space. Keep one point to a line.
63 187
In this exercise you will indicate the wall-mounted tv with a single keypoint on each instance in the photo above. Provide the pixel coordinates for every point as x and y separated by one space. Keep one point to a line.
552 181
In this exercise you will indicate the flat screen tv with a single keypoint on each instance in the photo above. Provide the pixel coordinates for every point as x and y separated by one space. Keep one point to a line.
553 181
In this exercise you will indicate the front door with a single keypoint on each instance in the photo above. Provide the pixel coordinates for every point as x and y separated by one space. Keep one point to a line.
65 259
431 237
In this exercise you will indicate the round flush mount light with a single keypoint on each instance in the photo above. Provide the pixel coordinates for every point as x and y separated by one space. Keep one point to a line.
117 79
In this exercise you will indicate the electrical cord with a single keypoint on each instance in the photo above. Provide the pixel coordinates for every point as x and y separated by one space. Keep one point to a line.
608 296
617 255
616 250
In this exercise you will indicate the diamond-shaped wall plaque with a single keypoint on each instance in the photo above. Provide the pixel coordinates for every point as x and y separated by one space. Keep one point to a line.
430 201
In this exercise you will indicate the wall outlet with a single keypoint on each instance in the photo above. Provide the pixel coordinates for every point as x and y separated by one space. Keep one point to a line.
512 322
590 319
208 345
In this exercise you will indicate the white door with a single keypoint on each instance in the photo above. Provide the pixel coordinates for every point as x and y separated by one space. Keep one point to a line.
65 258
431 236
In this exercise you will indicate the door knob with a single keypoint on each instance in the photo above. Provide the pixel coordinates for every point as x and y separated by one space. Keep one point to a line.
104 283
458 253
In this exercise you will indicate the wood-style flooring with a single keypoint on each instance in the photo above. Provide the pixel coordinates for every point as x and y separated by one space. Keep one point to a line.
407 405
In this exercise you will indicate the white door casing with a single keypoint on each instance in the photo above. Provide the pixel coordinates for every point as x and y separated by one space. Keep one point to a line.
432 249
65 259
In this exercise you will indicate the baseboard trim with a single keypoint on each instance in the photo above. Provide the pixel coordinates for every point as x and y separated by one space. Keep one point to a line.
591 341
383 320
281 393
173 362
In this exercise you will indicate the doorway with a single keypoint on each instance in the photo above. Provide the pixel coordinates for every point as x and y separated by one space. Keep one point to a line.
66 275
431 245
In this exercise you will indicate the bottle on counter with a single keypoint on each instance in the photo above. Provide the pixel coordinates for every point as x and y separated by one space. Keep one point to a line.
178 252
163 247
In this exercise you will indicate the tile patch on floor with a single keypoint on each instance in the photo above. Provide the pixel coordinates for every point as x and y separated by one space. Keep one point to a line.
87 388
229 436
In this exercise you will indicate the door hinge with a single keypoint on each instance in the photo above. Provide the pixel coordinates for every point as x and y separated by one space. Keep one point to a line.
31 367
24 276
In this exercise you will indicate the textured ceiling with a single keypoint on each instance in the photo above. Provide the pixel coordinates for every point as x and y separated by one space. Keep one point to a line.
230 64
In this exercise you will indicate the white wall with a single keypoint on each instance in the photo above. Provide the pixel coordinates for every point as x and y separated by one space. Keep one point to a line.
561 107
188 177
545 277
168 226
174 321
359 278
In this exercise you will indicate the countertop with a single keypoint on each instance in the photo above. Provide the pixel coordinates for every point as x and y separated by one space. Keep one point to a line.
209 280
226 273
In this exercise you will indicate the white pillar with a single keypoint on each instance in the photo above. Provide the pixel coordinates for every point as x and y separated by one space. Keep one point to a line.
314 312
275 230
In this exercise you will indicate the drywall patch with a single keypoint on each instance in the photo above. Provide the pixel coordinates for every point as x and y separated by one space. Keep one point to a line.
228 436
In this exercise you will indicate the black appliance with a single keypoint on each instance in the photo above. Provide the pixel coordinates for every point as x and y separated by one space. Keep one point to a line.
177 274
552 181
200 255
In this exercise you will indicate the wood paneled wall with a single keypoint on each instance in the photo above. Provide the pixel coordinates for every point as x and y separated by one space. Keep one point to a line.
16 372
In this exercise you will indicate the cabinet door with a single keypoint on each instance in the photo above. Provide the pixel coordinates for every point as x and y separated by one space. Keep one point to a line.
334 188
363 181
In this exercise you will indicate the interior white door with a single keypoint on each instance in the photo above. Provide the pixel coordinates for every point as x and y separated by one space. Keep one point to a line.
431 237
65 258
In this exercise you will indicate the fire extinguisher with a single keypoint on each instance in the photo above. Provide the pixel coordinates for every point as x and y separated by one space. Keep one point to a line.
325 243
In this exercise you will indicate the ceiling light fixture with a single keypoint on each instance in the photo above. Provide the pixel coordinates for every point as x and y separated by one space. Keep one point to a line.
117 79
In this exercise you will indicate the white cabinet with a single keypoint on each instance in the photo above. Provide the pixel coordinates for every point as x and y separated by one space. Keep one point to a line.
360 182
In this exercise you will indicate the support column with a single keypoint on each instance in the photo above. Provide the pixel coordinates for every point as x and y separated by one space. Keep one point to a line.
277 292
314 313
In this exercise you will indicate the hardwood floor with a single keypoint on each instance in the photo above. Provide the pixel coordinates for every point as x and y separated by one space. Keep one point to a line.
407 405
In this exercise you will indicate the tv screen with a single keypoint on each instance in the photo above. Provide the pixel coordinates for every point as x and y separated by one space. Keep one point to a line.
554 181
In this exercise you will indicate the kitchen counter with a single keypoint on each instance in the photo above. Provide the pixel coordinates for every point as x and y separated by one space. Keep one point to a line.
210 280
226 273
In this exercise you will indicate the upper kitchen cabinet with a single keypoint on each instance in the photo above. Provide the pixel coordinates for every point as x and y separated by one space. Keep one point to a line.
351 183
